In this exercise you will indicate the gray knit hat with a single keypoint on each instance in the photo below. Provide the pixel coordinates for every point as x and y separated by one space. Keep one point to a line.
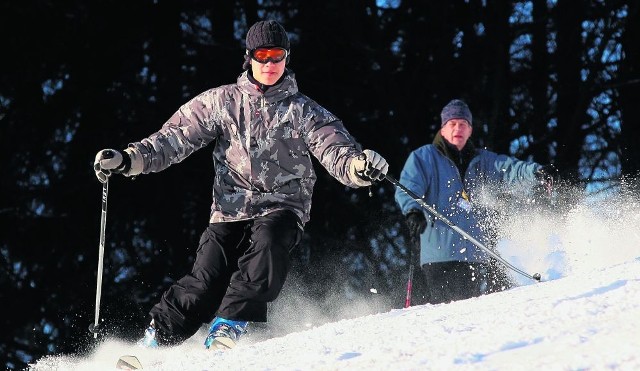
456 109
265 34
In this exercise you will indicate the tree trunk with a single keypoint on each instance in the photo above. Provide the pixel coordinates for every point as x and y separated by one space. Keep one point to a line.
629 93
571 102
539 84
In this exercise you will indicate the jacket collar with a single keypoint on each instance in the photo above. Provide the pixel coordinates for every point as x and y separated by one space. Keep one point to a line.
285 88
460 158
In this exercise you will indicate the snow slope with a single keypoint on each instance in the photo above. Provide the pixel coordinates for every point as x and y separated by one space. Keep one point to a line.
584 315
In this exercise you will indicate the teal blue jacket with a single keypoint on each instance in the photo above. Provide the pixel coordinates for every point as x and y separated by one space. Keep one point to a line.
435 177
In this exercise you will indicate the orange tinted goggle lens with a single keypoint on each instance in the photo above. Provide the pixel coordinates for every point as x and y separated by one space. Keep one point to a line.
264 55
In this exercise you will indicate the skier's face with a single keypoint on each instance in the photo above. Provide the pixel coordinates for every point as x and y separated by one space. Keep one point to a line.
456 132
270 72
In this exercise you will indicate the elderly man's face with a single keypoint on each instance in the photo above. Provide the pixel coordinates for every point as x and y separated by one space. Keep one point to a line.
457 132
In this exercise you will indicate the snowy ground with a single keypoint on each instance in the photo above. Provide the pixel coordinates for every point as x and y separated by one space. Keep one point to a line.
584 315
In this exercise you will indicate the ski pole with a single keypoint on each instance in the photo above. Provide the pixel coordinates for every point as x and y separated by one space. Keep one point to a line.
464 234
412 263
407 301
103 222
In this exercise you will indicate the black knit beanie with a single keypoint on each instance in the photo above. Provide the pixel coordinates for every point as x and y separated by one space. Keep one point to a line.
266 34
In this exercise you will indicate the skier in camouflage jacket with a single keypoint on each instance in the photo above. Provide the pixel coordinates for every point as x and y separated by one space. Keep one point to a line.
263 132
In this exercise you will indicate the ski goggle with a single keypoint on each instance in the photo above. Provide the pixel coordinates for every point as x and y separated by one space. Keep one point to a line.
273 55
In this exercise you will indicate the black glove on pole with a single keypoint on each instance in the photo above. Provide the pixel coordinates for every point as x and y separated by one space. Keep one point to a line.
416 223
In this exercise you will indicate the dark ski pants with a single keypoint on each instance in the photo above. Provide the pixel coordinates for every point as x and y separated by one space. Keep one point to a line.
239 268
449 281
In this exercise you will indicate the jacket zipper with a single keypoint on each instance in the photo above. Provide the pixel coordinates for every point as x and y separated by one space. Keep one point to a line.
248 142
464 191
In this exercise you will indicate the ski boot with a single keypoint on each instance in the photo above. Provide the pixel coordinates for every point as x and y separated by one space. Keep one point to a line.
224 333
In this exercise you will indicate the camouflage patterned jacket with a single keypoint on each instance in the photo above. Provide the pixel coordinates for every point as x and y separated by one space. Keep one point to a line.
262 147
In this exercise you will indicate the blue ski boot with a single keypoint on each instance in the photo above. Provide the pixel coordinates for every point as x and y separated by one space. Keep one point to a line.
149 340
224 333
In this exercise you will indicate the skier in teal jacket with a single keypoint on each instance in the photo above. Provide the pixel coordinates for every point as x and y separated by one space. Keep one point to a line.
449 174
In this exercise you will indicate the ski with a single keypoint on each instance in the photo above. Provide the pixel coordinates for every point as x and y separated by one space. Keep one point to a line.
128 363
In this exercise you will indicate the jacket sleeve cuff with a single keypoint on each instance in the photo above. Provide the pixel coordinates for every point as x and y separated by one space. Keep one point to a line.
354 163
137 164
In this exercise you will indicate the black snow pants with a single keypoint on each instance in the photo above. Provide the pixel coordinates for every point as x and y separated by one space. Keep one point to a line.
239 268
449 281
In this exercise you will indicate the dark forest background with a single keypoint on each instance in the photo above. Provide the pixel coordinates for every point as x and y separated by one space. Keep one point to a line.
550 81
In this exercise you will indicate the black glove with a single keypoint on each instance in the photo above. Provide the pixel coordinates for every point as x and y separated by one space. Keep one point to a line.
110 161
416 223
